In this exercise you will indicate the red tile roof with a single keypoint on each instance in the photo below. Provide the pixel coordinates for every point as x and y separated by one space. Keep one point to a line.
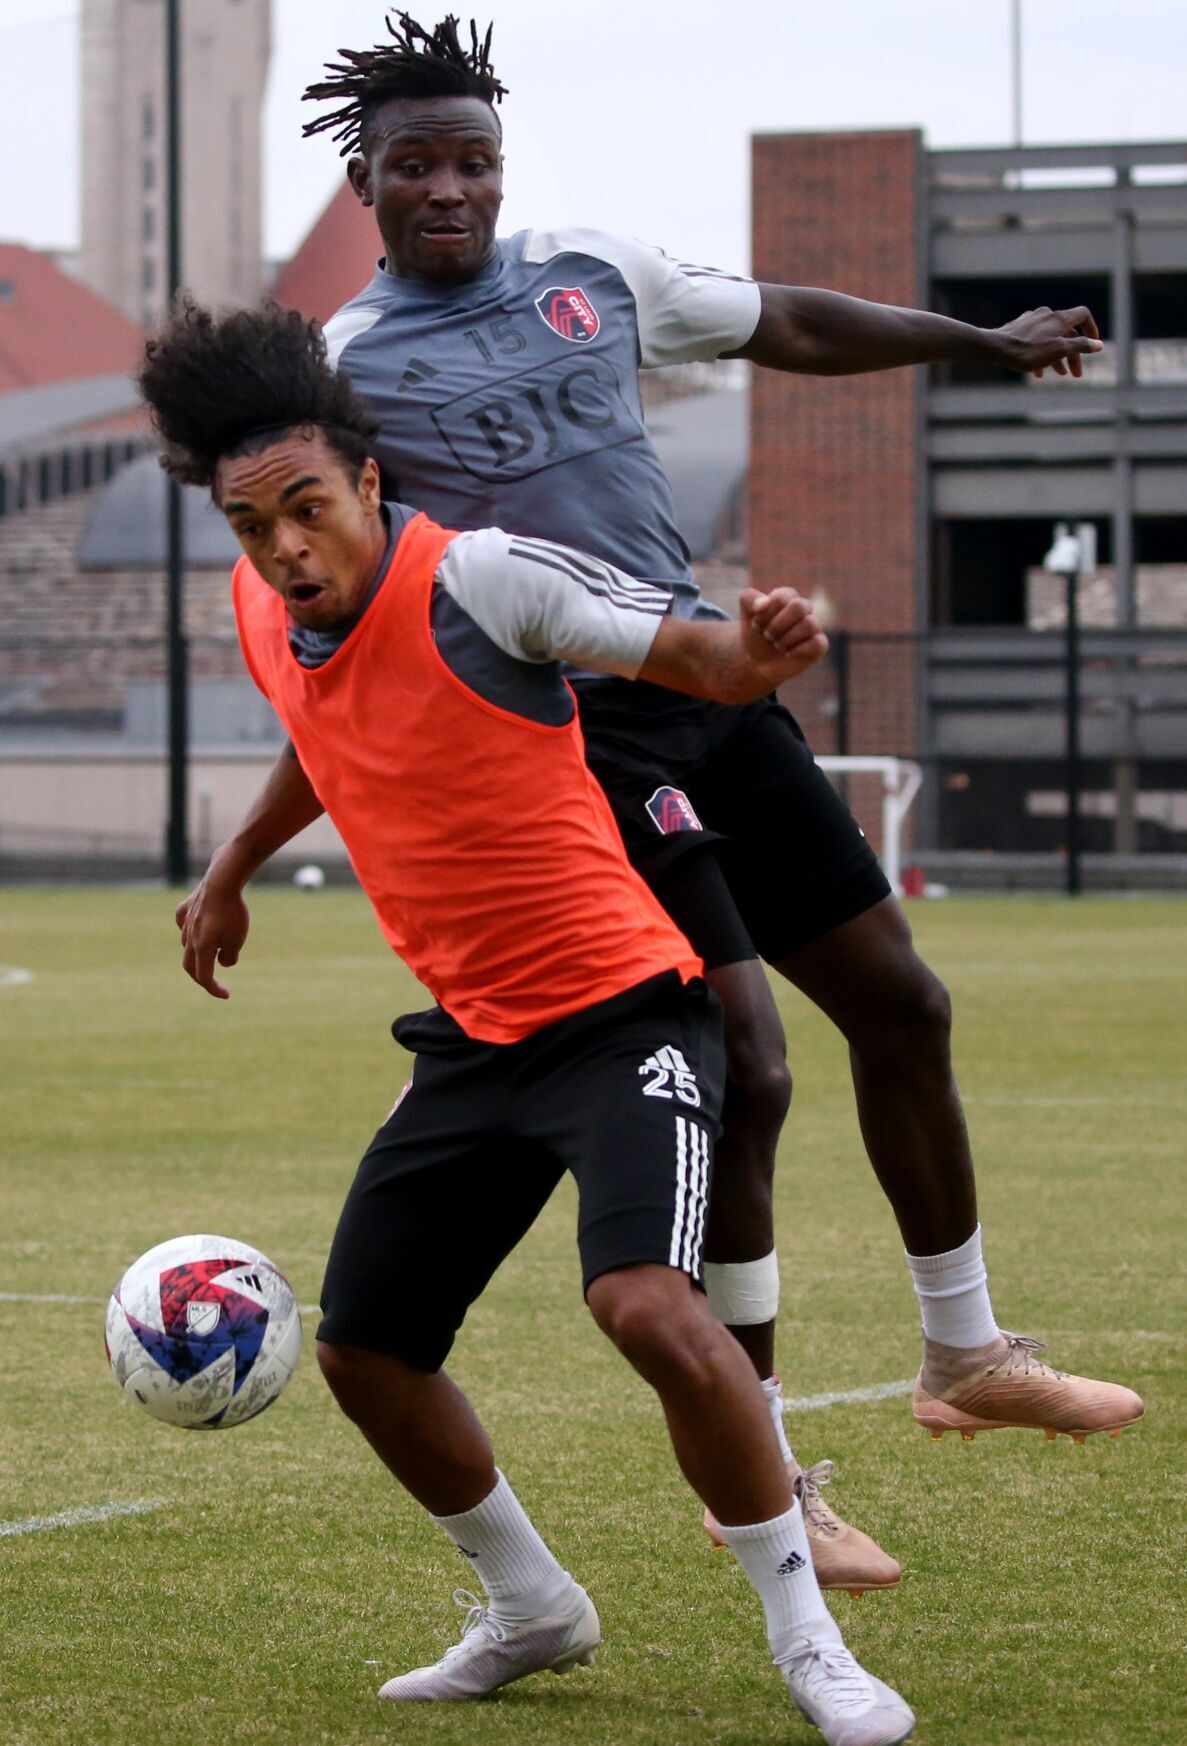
334 262
53 329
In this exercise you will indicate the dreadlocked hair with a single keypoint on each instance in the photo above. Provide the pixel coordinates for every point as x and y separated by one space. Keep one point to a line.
418 63
231 384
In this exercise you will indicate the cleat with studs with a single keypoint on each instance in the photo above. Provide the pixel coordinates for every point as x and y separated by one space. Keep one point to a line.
1005 1385
492 1651
848 1705
842 1556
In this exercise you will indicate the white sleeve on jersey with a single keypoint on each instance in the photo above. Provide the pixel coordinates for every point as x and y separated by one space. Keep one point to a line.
348 323
687 314
543 602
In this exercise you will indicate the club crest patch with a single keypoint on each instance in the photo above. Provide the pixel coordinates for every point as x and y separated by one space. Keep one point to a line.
569 312
671 811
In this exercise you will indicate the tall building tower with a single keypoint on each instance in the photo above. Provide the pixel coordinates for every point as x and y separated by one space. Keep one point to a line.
224 63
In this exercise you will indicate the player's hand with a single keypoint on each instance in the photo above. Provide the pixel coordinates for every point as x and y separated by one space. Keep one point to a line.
1051 339
780 629
213 921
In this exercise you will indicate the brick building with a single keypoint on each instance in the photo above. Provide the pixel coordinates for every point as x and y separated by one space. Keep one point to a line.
922 502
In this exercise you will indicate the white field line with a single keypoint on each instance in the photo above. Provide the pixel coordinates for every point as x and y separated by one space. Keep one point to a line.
803 1404
13 977
807 1403
80 1518
45 1297
1074 1102
810 1403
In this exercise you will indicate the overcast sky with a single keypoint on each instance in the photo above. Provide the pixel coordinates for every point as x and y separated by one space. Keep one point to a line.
634 115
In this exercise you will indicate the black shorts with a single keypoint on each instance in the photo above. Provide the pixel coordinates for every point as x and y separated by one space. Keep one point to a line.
727 816
626 1095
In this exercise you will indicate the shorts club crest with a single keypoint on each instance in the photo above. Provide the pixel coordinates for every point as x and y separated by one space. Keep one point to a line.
569 312
670 810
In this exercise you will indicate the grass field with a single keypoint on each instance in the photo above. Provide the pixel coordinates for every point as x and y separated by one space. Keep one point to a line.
283 1577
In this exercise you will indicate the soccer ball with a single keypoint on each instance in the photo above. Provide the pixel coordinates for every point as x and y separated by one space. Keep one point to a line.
203 1332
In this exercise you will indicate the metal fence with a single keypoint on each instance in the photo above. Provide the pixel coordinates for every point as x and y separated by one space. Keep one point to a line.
1034 745
985 713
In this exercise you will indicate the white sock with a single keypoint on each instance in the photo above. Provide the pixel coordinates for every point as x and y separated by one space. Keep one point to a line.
776 1557
514 1566
954 1295
773 1390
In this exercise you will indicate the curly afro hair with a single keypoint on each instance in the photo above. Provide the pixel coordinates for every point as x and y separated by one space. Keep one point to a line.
220 385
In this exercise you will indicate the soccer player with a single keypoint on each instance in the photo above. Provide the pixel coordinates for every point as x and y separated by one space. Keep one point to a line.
416 671
504 375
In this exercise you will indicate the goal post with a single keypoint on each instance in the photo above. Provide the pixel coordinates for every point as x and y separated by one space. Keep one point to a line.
901 779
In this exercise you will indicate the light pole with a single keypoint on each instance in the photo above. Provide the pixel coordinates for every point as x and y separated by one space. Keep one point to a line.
177 852
1072 555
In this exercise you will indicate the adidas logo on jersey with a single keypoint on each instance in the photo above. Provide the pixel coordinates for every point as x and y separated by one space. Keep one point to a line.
671 1076
791 1564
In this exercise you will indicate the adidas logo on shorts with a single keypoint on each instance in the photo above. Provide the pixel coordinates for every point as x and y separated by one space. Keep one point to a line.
671 1076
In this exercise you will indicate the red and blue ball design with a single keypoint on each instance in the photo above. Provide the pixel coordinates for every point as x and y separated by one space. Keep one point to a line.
203 1332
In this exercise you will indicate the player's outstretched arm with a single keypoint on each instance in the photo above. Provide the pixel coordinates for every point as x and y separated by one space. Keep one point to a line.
543 602
777 637
214 918
825 333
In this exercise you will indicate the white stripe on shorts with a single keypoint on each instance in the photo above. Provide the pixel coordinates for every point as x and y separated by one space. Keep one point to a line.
692 1185
695 1196
681 1190
699 1238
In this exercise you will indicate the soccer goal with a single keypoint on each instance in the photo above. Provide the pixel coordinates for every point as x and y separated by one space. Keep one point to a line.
900 781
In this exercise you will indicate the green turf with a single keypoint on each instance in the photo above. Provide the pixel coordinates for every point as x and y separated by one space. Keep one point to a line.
1043 1599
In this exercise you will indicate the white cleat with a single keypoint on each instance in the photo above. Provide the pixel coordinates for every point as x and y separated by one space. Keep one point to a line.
847 1704
493 1652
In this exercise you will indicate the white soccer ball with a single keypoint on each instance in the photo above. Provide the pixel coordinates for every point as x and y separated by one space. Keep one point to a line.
203 1332
309 878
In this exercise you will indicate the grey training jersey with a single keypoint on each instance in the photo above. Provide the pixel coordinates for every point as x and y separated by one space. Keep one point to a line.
513 400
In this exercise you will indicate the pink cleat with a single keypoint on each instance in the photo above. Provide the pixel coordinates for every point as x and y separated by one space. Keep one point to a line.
842 1556
1005 1385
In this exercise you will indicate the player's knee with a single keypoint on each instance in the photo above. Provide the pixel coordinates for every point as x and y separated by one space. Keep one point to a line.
923 1005
616 1303
912 1020
934 1006
333 1362
759 1084
761 1092
659 1325
343 1368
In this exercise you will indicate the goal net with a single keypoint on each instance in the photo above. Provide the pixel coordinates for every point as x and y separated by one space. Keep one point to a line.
879 792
